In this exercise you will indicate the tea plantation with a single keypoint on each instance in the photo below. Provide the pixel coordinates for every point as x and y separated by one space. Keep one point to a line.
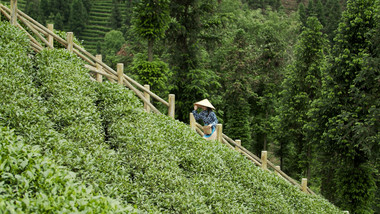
70 145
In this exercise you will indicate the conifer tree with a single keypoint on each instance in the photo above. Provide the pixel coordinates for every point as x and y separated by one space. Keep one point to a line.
78 17
32 9
237 80
151 20
192 81
45 10
348 112
320 12
302 14
62 7
115 18
333 15
58 22
300 87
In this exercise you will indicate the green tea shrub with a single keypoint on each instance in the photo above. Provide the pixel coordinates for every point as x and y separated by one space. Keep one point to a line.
32 183
68 94
22 108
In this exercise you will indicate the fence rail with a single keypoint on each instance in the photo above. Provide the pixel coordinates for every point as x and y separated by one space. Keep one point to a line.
100 69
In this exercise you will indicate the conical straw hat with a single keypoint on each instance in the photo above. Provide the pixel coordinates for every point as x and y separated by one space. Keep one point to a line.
205 103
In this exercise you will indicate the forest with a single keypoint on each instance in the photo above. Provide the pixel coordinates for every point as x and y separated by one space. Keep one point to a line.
300 79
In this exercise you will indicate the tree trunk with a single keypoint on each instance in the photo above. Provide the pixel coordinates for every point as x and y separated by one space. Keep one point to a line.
150 50
309 156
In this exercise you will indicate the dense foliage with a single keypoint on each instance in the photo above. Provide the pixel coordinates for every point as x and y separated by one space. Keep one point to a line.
70 125
347 114
31 175
32 183
301 87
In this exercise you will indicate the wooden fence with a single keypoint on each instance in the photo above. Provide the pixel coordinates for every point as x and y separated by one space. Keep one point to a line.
45 38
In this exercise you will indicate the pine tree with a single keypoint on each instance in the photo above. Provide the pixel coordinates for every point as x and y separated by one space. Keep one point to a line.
237 79
192 81
320 12
45 10
78 17
115 18
32 9
349 109
300 87
333 15
302 14
58 22
151 19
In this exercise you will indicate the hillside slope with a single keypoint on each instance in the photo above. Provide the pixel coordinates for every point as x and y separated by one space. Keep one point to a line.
98 23
101 133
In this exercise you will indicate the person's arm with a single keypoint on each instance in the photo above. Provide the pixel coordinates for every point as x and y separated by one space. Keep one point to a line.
213 119
197 115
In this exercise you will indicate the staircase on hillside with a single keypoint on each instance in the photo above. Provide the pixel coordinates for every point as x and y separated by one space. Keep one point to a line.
98 23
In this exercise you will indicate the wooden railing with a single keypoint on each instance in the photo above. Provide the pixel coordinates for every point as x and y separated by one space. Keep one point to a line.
262 162
100 69
46 38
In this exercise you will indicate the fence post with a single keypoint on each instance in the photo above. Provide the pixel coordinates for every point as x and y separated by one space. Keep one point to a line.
192 122
99 77
70 41
13 12
50 37
219 132
171 109
238 142
147 97
304 185
264 160
120 73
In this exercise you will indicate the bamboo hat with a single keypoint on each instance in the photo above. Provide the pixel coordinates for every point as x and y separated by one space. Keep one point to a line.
205 103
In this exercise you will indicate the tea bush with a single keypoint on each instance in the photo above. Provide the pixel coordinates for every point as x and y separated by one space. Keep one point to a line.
31 183
23 108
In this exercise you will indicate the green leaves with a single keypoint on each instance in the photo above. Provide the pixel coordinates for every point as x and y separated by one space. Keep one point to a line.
151 18
33 183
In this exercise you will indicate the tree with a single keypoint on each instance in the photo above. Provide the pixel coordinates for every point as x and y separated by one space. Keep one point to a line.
237 71
151 19
192 79
300 87
58 22
333 15
155 73
45 10
349 109
115 18
32 9
78 17
113 41
302 14
62 7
